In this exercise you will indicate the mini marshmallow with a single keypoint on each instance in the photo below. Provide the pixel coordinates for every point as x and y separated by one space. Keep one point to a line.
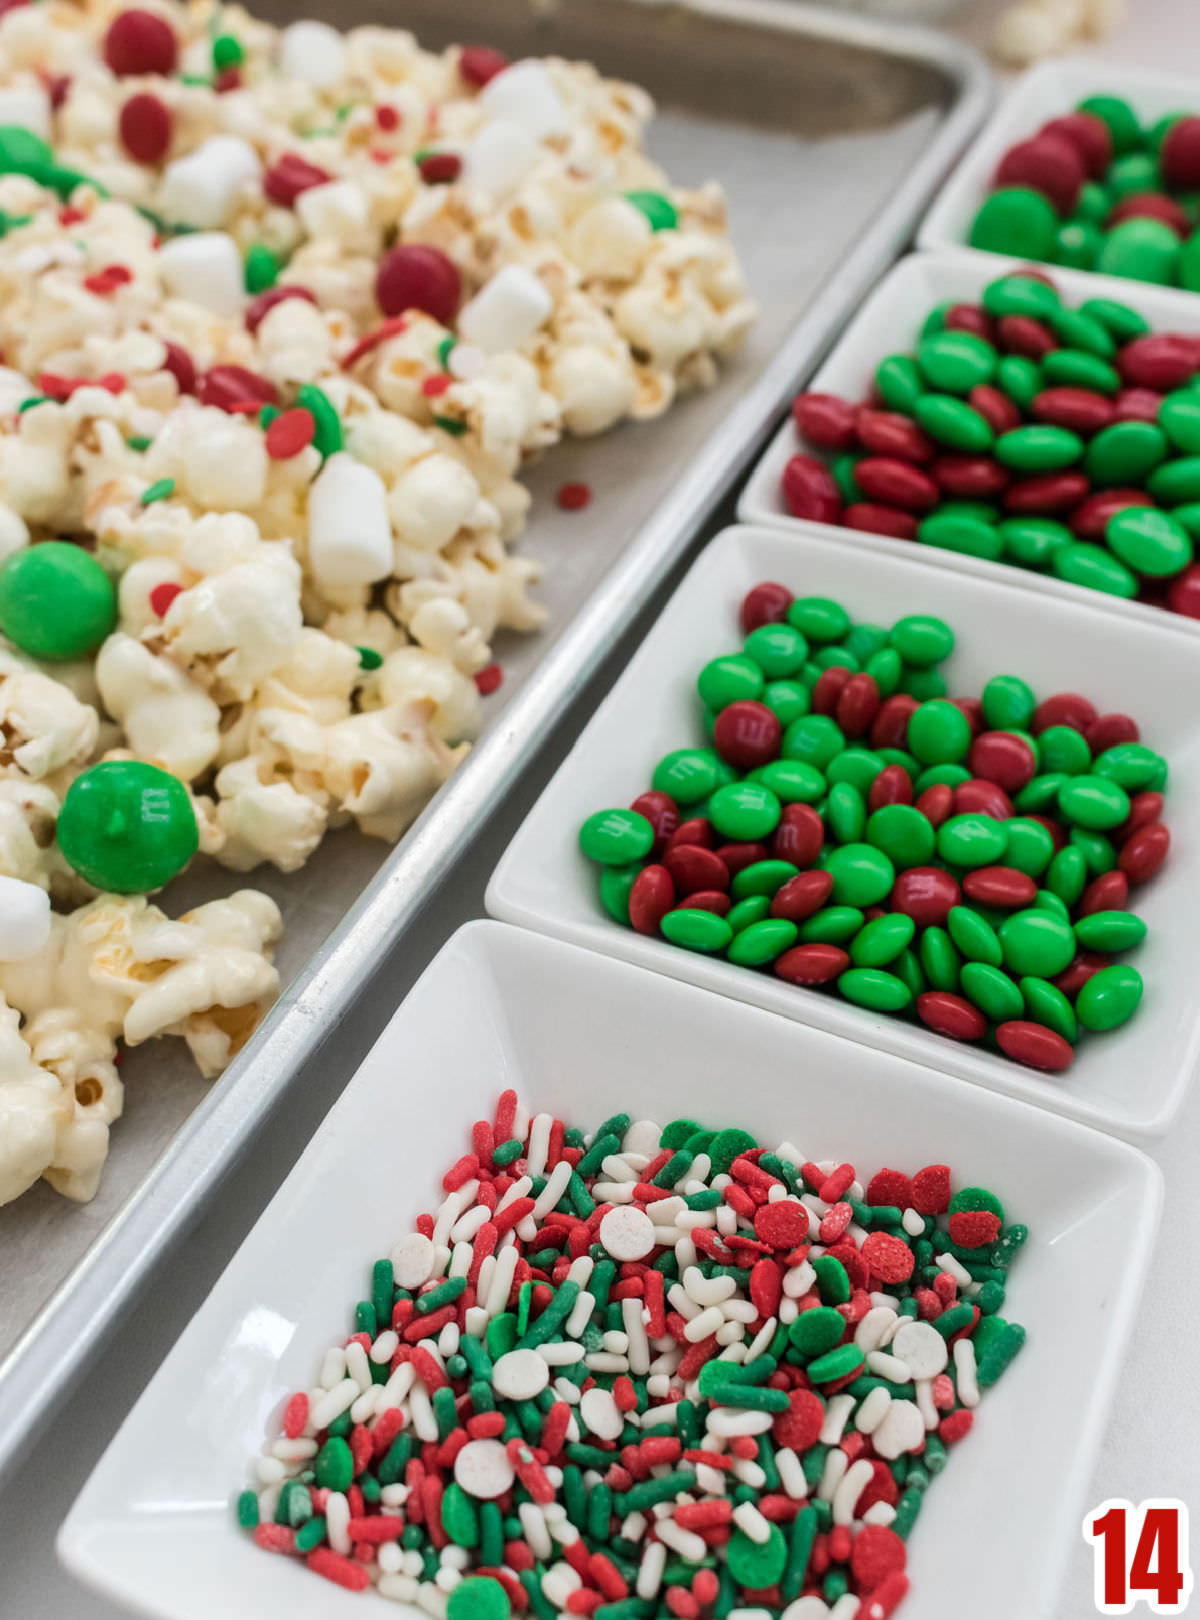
349 535
506 311
26 107
202 188
24 919
204 267
498 158
525 95
313 52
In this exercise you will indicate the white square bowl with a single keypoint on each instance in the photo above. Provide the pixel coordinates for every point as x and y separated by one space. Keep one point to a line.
1130 1080
584 1035
1049 91
889 323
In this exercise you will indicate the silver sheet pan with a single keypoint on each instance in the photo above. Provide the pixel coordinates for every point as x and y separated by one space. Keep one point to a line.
830 134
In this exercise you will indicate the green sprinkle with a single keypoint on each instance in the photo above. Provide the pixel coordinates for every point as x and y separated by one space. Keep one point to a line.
444 350
507 1151
328 436
28 404
261 268
227 52
310 1535
456 429
444 1294
247 1509
161 490
136 441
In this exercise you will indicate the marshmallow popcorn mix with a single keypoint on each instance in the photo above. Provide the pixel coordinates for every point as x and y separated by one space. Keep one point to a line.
282 315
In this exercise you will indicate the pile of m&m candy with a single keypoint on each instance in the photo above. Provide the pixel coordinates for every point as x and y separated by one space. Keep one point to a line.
1022 430
963 861
1096 191
650 1373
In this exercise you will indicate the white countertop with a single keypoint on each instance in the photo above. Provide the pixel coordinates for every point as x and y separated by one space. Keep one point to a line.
1151 1449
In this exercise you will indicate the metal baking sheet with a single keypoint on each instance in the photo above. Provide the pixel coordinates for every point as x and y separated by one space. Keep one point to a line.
830 134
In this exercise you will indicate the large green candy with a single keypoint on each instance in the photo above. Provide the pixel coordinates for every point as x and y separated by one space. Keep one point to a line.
616 837
1036 943
1016 220
127 827
1109 997
56 602
939 733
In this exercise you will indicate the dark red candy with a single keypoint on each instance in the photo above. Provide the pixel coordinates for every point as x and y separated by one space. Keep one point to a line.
765 604
925 893
1137 405
799 835
936 804
661 811
413 275
1144 852
969 318
1179 155
870 517
972 708
893 785
1183 593
1108 892
1150 205
970 478
896 483
1034 1045
1073 978
479 64
802 895
747 734
140 42
827 693
652 896
1158 360
230 387
951 1015
858 705
181 366
289 176
889 729
697 830
1024 334
1057 836
999 886
737 857
1048 492
1004 758
826 421
1091 518
145 127
810 491
714 900
997 410
695 869
1143 809
887 433
811 964
1049 163
1107 730
980 798
439 168
1063 709
1090 135
263 303
1078 409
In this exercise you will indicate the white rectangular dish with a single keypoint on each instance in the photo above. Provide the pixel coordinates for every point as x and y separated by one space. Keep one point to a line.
584 1035
1049 91
1131 1080
889 323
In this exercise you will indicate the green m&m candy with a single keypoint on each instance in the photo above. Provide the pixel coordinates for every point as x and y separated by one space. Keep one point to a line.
616 837
56 602
1150 542
127 827
1016 220
478 1597
660 212
1120 117
1142 249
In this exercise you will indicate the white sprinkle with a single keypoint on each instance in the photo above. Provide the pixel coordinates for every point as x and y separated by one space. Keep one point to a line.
635 1327
366 1405
748 1473
890 1367
650 1570
534 1525
539 1143
333 1403
270 1470
964 1372
704 1325
293 1450
502 1280
762 1339
848 1606
879 1513
601 1361
337 1520
853 1483
581 1313
872 1331
483 1470
357 1365
686 1543
385 1346
412 1261
601 1414
873 1410
333 1367
400 1588
791 1473
836 1464
465 1228
913 1223
747 1517
398 1385
728 1423
560 1354
420 1409
923 1394
798 1280
837 1415
955 1267
520 1375
921 1348
556 1186
627 1233
903 1429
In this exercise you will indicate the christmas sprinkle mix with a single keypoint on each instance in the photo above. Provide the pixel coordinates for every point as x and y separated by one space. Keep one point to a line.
646 1372
965 861
1023 430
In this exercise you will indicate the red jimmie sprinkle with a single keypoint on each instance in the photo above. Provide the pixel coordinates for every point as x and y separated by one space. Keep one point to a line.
489 680
574 497
163 595
290 433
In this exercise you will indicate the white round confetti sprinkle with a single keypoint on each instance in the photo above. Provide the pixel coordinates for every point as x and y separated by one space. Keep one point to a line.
482 1469
921 1348
601 1414
412 1260
519 1375
627 1232
902 1429
24 919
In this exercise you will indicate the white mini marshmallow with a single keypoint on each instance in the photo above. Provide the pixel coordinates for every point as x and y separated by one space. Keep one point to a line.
202 188
498 158
312 52
204 267
24 919
349 535
26 107
525 94
506 311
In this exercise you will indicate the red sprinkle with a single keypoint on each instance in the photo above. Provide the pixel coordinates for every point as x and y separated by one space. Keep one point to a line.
290 433
574 497
140 42
145 127
161 598
489 680
341 1571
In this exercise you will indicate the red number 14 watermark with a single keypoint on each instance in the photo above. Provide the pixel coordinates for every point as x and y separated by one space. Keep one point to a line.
1141 1556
